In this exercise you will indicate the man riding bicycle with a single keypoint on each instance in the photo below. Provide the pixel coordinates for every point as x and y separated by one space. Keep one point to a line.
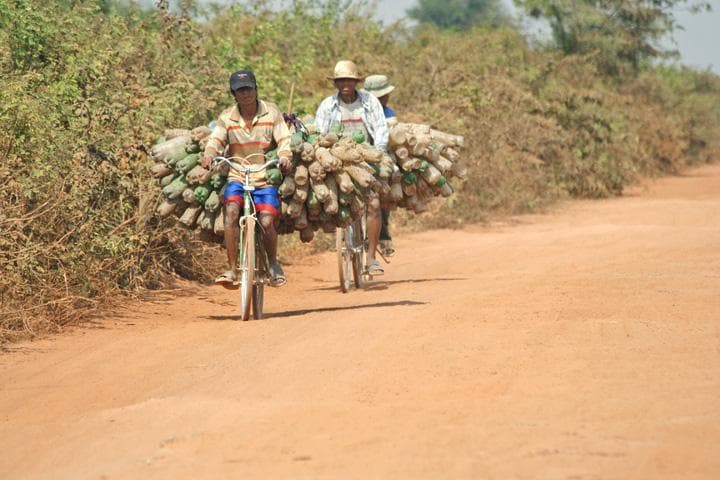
357 111
252 126
379 85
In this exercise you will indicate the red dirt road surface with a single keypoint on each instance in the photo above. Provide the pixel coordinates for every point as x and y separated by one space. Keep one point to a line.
582 344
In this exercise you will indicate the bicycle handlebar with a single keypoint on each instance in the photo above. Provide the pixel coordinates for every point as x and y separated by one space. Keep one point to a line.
242 168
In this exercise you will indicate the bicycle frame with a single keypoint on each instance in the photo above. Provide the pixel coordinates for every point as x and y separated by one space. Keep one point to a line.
259 260
351 243
252 257
350 246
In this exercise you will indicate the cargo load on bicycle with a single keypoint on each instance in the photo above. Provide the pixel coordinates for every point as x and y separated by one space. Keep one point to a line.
332 177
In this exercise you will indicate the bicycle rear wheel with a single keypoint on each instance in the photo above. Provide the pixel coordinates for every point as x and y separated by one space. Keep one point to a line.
344 256
247 267
356 245
261 274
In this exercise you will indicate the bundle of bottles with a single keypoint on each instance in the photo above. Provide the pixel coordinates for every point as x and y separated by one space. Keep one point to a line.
333 177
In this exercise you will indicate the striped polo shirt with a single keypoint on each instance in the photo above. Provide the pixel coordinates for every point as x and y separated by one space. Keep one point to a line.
267 131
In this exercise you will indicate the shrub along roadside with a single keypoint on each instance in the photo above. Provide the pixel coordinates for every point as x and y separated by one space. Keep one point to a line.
79 106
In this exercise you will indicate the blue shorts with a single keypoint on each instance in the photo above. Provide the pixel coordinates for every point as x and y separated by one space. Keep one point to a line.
267 199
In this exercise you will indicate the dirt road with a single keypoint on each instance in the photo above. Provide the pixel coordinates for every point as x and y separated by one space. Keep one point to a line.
584 344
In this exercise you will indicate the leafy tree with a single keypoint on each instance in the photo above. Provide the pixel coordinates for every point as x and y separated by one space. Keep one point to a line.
460 14
621 33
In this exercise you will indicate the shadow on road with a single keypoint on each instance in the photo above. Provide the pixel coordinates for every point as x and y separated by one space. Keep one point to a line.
293 313
378 284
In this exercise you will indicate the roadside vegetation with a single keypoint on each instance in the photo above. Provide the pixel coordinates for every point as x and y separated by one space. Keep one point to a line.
86 87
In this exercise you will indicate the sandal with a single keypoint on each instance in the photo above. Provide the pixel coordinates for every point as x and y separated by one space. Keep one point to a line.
386 248
228 280
374 268
277 276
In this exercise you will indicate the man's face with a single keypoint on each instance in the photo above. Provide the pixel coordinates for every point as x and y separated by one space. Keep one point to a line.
245 95
346 86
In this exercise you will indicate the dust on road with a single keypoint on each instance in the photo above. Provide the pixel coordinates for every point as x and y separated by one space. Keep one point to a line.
583 344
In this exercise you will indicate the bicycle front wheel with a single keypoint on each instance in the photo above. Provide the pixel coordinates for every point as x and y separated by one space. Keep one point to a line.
344 257
247 267
261 275
356 244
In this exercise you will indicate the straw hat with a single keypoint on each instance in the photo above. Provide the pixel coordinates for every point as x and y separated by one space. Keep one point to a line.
345 69
378 85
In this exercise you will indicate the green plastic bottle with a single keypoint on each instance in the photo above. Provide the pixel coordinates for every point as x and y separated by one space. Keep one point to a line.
216 181
358 137
410 178
274 176
336 128
201 194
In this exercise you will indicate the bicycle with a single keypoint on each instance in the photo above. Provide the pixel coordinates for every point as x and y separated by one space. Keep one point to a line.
350 245
253 264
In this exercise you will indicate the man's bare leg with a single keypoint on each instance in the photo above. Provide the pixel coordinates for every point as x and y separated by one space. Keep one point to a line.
232 235
270 234
277 276
373 223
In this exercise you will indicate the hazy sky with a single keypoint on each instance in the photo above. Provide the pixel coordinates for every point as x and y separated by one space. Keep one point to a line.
699 43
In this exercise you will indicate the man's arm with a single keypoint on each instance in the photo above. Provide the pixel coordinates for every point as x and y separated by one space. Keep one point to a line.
216 143
281 135
322 116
